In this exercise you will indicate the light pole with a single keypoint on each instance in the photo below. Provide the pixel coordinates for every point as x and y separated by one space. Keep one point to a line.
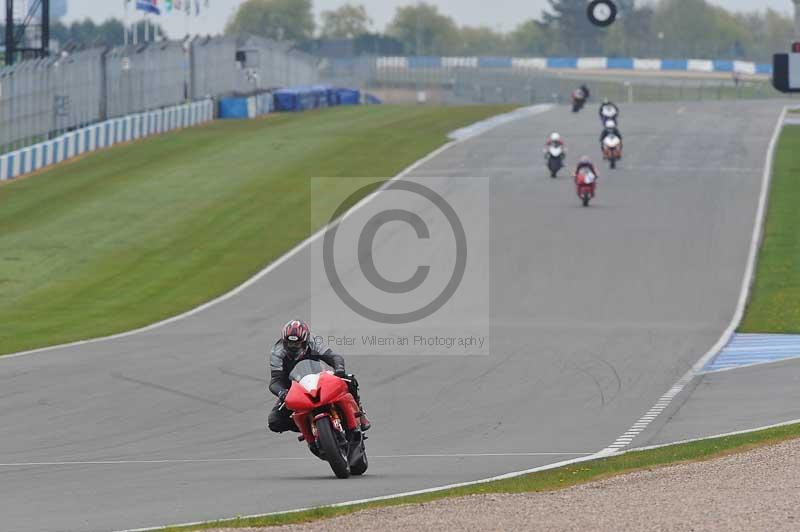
796 18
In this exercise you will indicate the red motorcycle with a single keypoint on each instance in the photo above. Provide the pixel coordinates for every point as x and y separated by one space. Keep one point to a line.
585 183
328 417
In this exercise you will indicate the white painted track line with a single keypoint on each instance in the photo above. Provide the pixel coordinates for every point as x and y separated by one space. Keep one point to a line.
277 459
601 454
755 244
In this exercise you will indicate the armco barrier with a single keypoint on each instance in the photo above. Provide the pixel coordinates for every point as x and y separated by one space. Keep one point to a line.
103 135
585 63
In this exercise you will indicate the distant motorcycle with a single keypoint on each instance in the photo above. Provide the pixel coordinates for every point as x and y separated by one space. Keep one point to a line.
612 149
555 159
609 112
610 123
578 100
327 415
585 183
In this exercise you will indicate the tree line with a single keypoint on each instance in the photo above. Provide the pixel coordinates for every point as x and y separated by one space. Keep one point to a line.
664 28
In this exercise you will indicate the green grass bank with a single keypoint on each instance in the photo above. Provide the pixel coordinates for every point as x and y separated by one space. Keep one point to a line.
141 232
774 305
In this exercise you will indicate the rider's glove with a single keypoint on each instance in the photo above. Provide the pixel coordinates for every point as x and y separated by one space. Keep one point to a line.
282 395
342 374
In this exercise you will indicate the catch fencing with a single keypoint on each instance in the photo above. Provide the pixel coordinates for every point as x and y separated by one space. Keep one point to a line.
44 98
463 80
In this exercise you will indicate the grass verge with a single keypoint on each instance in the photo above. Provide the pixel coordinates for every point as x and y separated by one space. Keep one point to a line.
141 232
774 305
550 480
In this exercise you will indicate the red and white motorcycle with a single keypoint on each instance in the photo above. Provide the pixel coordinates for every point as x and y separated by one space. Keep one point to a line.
327 415
585 185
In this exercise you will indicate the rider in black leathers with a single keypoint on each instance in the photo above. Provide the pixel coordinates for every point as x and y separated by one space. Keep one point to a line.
610 130
610 105
296 344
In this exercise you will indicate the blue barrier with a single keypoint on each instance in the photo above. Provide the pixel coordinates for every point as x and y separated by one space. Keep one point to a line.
348 96
233 108
562 62
723 66
321 96
332 96
762 68
620 63
674 64
293 100
305 98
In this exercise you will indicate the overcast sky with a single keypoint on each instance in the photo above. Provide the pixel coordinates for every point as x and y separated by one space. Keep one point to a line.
469 12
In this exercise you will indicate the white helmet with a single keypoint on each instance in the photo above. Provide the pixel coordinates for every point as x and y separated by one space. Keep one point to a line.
555 137
610 124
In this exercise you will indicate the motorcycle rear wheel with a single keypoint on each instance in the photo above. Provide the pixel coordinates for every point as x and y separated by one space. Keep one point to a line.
332 449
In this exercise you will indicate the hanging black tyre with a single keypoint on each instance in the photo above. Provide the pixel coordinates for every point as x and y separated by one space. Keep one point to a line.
332 449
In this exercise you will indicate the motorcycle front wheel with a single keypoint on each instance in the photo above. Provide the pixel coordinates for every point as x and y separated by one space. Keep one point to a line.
586 198
333 451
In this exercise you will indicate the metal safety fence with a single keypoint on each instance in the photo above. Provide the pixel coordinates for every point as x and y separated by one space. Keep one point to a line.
44 98
465 81
103 135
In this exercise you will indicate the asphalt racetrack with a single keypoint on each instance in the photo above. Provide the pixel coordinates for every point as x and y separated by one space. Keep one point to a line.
594 314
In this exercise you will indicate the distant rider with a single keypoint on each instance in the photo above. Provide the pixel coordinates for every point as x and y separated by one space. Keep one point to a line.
586 93
294 345
608 110
555 140
610 129
586 164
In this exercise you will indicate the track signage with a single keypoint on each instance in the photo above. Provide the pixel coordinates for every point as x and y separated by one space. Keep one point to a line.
786 70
